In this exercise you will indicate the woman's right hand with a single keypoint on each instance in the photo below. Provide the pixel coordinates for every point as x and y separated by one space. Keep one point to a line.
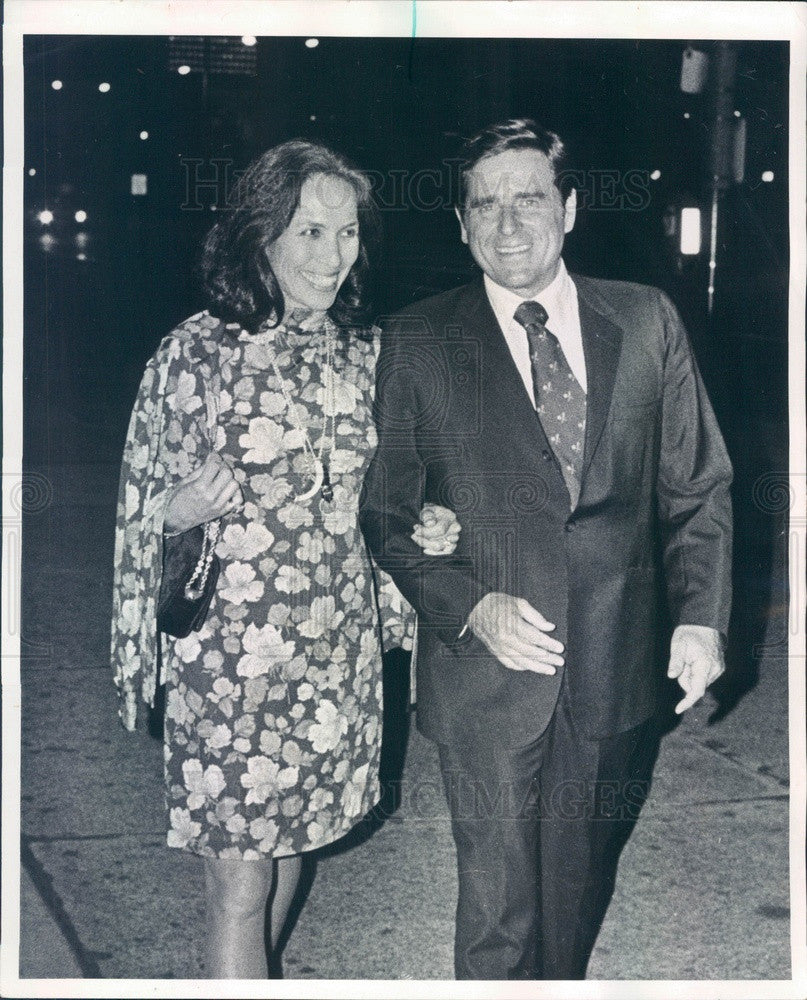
210 492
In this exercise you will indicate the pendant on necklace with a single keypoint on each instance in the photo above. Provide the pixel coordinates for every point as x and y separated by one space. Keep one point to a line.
326 490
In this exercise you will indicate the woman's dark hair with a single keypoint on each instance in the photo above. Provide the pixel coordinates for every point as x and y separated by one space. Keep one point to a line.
515 133
235 267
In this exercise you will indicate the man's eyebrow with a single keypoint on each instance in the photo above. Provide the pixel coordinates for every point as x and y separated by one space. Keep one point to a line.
482 200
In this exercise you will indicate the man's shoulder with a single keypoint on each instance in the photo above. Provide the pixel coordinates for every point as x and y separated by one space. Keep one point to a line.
617 293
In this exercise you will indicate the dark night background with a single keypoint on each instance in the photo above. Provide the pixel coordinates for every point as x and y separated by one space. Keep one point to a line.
100 295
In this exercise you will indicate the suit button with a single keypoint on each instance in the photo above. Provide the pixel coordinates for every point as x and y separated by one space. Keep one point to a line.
546 455
570 526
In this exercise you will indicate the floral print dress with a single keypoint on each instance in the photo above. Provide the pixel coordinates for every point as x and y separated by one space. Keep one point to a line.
273 709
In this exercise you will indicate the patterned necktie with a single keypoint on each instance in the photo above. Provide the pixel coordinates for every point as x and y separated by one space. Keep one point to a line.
559 398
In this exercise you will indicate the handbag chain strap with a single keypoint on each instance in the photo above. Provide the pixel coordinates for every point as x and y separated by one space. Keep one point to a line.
193 589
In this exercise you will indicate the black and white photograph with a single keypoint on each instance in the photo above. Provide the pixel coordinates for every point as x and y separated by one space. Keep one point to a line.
404 499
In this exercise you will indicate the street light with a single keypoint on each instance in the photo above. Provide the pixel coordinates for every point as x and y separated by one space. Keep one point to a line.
56 84
80 216
249 40
183 70
104 88
144 135
690 231
45 217
311 43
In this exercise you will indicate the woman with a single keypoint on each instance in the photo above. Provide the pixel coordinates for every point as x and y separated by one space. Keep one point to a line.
254 418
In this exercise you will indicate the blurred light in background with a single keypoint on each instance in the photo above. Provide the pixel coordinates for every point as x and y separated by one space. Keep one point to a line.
738 114
694 70
311 43
32 172
45 217
767 176
144 135
104 88
56 84
81 256
214 55
690 231
80 216
312 118
687 115
47 242
139 184
739 143
655 175
81 240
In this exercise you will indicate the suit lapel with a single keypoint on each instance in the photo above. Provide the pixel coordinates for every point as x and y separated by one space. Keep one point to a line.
500 377
501 381
602 346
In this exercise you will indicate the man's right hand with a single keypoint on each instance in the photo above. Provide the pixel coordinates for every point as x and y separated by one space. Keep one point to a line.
516 634
209 492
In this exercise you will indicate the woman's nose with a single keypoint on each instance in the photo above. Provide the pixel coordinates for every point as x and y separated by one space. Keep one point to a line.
329 254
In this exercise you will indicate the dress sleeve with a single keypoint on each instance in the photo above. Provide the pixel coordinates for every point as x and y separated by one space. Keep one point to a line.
397 616
169 435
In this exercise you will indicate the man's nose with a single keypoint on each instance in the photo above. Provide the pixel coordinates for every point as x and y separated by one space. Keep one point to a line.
507 219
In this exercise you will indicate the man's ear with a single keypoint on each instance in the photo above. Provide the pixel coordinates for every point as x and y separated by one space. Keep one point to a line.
570 211
463 234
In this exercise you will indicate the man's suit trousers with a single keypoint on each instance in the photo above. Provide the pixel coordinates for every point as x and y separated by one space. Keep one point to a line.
538 832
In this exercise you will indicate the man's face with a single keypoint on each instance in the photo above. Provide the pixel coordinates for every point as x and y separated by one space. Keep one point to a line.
515 220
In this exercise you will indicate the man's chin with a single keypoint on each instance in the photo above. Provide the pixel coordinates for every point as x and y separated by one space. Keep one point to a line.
518 282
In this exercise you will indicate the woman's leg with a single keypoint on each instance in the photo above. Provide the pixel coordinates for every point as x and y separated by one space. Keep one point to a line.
235 895
287 876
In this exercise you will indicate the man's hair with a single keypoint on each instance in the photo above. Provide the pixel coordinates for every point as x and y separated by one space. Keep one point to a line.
515 133
237 276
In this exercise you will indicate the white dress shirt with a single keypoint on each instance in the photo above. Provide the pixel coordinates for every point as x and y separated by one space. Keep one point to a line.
559 299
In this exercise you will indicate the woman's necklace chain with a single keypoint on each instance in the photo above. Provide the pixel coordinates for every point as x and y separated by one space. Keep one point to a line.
320 467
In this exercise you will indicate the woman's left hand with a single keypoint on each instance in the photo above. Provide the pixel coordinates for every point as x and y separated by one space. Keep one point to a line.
438 530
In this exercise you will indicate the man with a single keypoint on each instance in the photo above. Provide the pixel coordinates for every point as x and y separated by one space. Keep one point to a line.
564 420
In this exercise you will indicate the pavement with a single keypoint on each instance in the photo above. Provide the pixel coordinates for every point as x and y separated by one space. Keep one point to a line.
702 891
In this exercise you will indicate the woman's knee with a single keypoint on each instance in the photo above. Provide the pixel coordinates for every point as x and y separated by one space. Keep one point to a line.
239 888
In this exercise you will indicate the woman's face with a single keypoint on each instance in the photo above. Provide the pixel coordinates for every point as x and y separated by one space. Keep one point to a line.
314 255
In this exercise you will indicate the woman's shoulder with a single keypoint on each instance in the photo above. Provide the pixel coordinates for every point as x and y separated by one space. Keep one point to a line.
195 339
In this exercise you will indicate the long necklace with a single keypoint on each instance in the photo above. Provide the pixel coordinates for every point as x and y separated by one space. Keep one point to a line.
320 467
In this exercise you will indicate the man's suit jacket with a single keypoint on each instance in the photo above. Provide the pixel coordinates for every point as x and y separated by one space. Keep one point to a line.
456 427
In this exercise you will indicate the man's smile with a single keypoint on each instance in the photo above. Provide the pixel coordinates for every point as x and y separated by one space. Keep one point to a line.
511 251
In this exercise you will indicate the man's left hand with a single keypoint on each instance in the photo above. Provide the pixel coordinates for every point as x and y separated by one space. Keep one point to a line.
696 659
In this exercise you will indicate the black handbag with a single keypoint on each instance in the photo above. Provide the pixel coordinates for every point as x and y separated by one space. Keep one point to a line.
190 573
